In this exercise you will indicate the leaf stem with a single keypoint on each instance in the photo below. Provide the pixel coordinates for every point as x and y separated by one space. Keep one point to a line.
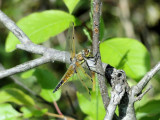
57 108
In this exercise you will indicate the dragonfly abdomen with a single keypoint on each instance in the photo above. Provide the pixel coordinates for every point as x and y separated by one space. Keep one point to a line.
66 76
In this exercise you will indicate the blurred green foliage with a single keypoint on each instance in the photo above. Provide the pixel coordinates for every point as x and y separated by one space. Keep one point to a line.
45 22
16 96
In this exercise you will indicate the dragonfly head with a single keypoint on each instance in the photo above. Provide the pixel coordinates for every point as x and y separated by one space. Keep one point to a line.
86 53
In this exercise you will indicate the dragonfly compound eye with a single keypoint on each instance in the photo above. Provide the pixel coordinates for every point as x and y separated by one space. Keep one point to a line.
87 52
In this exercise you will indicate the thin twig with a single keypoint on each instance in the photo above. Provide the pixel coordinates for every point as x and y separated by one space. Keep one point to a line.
96 37
24 67
141 95
143 82
55 115
57 108
59 116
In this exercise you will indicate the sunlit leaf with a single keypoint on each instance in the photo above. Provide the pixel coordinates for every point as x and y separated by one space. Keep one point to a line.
49 96
15 95
48 82
88 118
89 107
71 4
40 26
127 54
7 112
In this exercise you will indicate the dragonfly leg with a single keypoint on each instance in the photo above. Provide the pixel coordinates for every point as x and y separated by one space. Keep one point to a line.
96 57
70 60
75 71
93 70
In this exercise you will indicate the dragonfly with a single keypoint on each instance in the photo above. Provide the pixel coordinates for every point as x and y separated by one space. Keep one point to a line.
76 63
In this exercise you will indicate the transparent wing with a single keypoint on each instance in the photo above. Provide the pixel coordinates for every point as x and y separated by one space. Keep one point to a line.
84 82
70 41
85 75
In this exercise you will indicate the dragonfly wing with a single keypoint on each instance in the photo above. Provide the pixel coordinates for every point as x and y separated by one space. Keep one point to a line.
84 82
70 41
87 78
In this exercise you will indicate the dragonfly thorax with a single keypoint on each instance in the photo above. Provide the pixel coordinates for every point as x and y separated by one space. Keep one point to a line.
86 53
79 56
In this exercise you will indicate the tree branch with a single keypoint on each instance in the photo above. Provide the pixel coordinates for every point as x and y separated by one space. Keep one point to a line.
49 55
16 81
141 95
53 54
143 82
24 67
126 106
14 28
117 79
96 38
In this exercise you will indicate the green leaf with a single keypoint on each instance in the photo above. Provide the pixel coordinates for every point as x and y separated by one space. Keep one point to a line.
127 54
49 96
40 26
27 113
48 82
148 117
7 112
27 74
89 107
16 96
88 118
71 4
150 108
30 111
41 112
